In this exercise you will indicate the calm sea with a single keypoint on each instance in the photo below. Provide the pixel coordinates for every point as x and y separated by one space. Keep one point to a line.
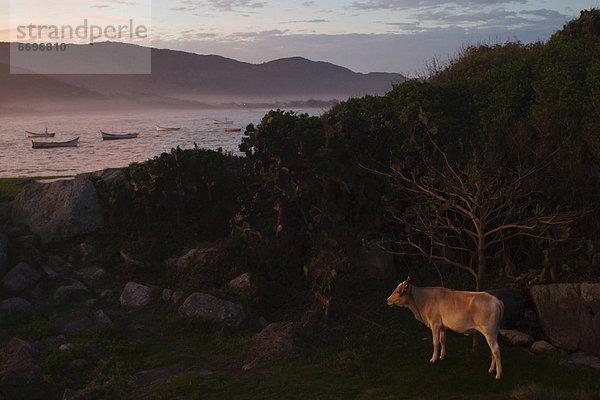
19 159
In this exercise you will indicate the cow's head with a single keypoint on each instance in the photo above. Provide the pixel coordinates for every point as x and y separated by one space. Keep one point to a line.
401 296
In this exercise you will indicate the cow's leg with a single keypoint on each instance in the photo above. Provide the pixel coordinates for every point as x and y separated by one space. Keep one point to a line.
492 341
443 343
435 331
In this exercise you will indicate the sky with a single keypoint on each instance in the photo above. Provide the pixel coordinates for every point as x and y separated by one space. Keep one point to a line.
402 36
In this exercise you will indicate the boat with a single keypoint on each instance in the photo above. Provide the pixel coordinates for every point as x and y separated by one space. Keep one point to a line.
233 129
39 135
162 128
216 121
114 136
47 145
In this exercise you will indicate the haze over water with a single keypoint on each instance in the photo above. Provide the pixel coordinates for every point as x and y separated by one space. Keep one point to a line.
19 159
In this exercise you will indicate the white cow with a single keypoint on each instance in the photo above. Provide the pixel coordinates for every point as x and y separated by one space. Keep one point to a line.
464 312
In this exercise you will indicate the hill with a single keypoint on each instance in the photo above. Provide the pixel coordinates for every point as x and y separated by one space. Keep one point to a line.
182 76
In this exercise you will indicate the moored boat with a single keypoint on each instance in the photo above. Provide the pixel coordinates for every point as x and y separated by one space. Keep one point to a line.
233 129
162 128
216 121
47 145
39 135
114 136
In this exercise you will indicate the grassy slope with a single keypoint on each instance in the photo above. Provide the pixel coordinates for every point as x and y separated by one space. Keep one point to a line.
352 359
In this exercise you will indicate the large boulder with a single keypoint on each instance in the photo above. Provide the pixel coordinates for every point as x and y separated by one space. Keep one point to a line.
22 278
204 305
17 362
570 314
59 210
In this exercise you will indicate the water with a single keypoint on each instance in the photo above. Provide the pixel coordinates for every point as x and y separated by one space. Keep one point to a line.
19 159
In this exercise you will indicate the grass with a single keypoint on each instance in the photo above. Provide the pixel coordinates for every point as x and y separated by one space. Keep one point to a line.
346 359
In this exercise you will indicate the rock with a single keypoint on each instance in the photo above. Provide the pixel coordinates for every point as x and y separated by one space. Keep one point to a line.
16 304
541 346
101 317
3 254
194 256
92 275
70 394
74 291
59 210
55 261
178 297
68 346
515 337
241 282
3 211
87 251
110 181
17 362
166 295
50 273
131 261
28 243
569 314
22 278
108 295
137 295
514 306
204 305
274 340
73 322
581 358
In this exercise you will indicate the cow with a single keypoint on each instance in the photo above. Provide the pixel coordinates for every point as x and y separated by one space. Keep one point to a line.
464 312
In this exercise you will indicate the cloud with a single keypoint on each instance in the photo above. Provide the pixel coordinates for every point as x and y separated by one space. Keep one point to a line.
219 5
309 4
371 5
99 6
308 21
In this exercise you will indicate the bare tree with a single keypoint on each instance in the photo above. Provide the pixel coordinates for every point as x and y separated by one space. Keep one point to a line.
458 213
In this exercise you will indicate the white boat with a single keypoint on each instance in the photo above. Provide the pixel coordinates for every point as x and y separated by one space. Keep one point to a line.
216 121
162 128
39 135
47 145
114 136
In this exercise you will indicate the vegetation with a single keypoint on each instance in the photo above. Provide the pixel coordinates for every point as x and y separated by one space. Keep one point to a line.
489 165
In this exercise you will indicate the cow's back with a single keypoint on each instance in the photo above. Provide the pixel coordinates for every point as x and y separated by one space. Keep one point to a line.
462 311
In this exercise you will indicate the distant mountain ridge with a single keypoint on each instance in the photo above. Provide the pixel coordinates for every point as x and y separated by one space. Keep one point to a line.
203 78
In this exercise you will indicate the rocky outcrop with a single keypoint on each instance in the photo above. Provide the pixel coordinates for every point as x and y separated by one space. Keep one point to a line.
59 210
204 305
569 314
137 295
